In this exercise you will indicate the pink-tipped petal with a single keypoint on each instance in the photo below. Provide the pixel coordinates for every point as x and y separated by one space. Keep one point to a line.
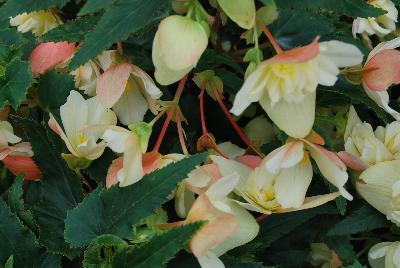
297 55
111 84
382 70
54 126
112 173
315 138
49 54
212 170
220 225
252 161
151 161
22 164
331 155
352 161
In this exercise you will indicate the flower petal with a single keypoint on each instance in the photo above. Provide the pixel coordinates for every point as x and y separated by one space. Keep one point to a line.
113 170
49 54
285 156
242 12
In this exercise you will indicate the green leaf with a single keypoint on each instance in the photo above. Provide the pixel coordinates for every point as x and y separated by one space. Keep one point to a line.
61 188
14 7
232 262
10 262
362 220
13 85
352 8
16 203
20 243
93 257
92 6
159 250
10 36
342 247
54 89
98 169
289 28
115 210
71 31
278 225
356 264
123 19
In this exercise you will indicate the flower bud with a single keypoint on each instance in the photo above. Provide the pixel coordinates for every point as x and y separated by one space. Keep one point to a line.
385 254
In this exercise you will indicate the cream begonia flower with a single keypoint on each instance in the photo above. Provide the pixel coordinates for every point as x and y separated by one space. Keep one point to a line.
285 85
368 147
77 115
228 224
177 47
380 71
385 255
322 256
379 185
127 169
86 75
130 92
280 182
381 25
37 22
242 12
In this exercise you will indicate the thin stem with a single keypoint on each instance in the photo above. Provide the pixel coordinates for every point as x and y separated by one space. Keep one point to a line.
236 126
262 217
156 118
163 130
181 86
270 37
166 226
181 135
255 36
120 48
202 117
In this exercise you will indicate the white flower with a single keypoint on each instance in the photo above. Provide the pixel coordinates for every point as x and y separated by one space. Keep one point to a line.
361 141
86 75
385 254
177 46
38 22
381 25
379 185
77 115
285 85
260 130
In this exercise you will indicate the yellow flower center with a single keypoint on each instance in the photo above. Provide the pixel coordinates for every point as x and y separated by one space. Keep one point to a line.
81 140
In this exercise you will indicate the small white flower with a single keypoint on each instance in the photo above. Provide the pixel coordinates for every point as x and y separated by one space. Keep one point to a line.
37 22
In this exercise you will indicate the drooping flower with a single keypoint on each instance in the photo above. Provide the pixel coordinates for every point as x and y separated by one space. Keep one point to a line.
280 182
379 185
17 157
260 131
363 146
242 12
381 25
37 22
77 115
380 71
177 47
385 254
86 75
228 224
130 92
285 85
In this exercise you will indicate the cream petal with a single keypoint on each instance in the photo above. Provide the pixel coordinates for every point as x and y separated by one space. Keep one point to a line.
352 120
133 170
382 99
285 156
210 260
149 86
242 12
312 202
291 185
184 200
231 150
341 53
220 189
115 138
295 118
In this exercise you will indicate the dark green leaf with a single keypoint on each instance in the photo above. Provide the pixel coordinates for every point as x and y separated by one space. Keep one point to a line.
14 7
123 19
10 37
115 210
362 220
289 28
60 187
356 264
20 242
98 169
71 31
13 85
92 6
159 250
235 263
16 203
54 89
93 257
342 247
352 8
10 262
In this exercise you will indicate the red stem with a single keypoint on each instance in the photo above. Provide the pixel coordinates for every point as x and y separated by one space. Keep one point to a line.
165 226
163 130
181 136
202 117
262 217
270 37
